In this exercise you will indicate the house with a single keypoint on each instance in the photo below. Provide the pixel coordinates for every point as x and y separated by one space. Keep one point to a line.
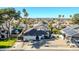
61 24
40 23
39 31
71 33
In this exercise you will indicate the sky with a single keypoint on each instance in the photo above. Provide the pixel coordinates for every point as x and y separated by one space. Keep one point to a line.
49 12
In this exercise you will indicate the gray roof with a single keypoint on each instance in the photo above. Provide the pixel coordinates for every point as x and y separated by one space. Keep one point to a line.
35 32
40 29
74 26
70 31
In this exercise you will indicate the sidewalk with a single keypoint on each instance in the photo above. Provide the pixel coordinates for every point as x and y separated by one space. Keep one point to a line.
56 45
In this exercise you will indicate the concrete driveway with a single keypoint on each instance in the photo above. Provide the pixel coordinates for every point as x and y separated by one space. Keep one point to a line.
19 44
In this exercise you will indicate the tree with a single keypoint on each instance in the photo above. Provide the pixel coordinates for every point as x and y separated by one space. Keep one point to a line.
25 13
62 16
17 15
59 16
6 15
24 20
70 16
76 18
56 31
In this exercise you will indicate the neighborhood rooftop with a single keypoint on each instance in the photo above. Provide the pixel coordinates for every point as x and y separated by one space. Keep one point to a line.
39 29
35 32
71 30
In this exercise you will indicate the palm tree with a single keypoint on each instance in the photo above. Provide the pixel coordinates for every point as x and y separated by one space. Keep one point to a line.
25 13
62 16
70 17
59 16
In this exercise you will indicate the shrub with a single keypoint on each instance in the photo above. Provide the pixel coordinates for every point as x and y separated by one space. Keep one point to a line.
56 31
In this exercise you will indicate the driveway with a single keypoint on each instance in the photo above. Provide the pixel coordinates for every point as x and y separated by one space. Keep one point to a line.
19 44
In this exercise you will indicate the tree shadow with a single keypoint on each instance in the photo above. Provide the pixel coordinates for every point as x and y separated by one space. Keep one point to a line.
38 44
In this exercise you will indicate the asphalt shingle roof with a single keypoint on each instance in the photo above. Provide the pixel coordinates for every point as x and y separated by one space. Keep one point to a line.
70 31
35 32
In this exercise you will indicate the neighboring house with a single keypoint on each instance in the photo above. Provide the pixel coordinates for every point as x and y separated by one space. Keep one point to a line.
56 25
72 33
60 24
40 30
40 23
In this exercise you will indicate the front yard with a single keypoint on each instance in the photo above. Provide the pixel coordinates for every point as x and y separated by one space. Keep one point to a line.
7 43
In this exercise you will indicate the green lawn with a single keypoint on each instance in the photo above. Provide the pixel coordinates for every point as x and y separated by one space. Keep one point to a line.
7 43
